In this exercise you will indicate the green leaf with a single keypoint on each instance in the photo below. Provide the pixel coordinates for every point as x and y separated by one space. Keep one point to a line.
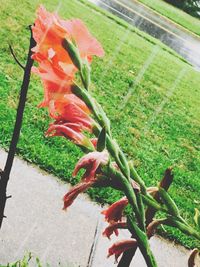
197 217
101 143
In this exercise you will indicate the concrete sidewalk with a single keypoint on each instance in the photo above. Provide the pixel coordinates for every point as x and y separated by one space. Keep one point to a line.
36 223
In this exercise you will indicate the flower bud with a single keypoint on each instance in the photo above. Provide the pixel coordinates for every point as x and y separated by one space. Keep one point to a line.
85 74
73 52
168 201
101 143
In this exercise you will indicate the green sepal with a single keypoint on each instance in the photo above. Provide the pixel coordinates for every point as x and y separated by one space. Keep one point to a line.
150 202
85 74
101 143
103 119
169 202
86 146
73 52
93 105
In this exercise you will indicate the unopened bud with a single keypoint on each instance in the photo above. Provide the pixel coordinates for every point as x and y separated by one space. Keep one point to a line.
167 179
85 74
169 202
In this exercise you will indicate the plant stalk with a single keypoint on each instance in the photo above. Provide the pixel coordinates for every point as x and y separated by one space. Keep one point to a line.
16 132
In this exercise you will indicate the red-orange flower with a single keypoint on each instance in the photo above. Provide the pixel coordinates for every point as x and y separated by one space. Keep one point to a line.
49 31
54 80
69 108
91 163
113 228
63 105
72 119
119 247
115 211
56 68
60 100
72 131
74 192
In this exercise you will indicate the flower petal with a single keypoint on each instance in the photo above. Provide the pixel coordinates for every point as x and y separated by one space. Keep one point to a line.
74 192
113 228
49 31
119 247
71 131
87 44
115 211
91 162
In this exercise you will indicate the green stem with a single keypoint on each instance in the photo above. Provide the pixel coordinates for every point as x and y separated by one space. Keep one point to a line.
169 203
118 155
135 176
149 201
102 119
124 177
131 196
186 229
141 209
143 243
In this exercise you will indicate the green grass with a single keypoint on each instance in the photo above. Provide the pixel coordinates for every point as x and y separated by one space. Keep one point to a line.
30 260
171 139
177 15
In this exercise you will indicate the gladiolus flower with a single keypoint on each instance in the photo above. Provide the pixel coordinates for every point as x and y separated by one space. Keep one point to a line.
74 192
119 247
70 108
113 228
49 31
72 131
87 45
115 211
91 163
61 100
51 73
71 114
55 81
57 88
71 119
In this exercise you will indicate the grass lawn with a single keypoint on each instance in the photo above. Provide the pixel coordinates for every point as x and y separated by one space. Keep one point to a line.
158 127
175 14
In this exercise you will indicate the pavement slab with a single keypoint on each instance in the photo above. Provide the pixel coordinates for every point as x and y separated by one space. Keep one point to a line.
36 223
